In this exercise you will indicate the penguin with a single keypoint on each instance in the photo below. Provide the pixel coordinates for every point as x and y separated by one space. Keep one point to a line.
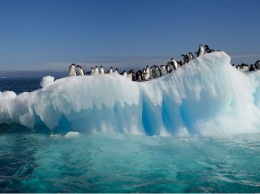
101 71
147 69
158 72
139 76
163 70
207 49
130 74
116 71
200 51
150 70
174 63
244 67
191 57
134 76
124 73
96 72
92 71
153 72
252 68
257 64
72 71
185 58
110 71
168 69
145 75
80 70
238 66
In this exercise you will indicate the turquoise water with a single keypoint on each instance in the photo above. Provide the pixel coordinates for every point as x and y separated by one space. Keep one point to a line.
39 161
33 162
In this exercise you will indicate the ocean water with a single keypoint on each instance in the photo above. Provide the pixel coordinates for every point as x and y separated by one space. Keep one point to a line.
40 161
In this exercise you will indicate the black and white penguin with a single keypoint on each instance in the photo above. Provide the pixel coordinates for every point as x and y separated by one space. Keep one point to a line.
207 49
139 76
80 70
244 67
145 74
153 75
168 69
130 74
174 63
96 71
180 63
163 70
116 71
185 58
124 73
92 71
201 51
252 68
257 64
191 57
110 71
101 71
157 71
72 71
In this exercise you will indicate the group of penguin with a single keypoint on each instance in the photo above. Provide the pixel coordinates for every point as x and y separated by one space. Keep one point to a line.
245 67
155 71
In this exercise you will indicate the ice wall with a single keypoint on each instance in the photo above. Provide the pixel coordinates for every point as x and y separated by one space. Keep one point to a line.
206 96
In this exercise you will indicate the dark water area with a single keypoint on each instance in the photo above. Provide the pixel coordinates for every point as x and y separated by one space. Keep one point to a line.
19 85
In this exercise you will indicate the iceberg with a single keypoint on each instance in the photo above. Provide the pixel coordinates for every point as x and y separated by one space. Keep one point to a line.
207 97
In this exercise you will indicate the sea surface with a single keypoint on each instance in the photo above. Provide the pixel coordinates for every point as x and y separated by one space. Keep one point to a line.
41 161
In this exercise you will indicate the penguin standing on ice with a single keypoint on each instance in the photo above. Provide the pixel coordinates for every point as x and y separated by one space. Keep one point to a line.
102 71
174 63
145 75
257 64
110 71
191 57
200 51
163 70
80 70
92 71
207 49
72 71
185 58
116 71
157 71
130 74
124 73
139 76
96 72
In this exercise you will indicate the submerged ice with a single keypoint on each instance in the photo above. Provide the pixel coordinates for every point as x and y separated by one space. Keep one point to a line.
207 96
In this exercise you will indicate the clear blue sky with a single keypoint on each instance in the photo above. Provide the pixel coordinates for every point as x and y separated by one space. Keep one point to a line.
49 35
